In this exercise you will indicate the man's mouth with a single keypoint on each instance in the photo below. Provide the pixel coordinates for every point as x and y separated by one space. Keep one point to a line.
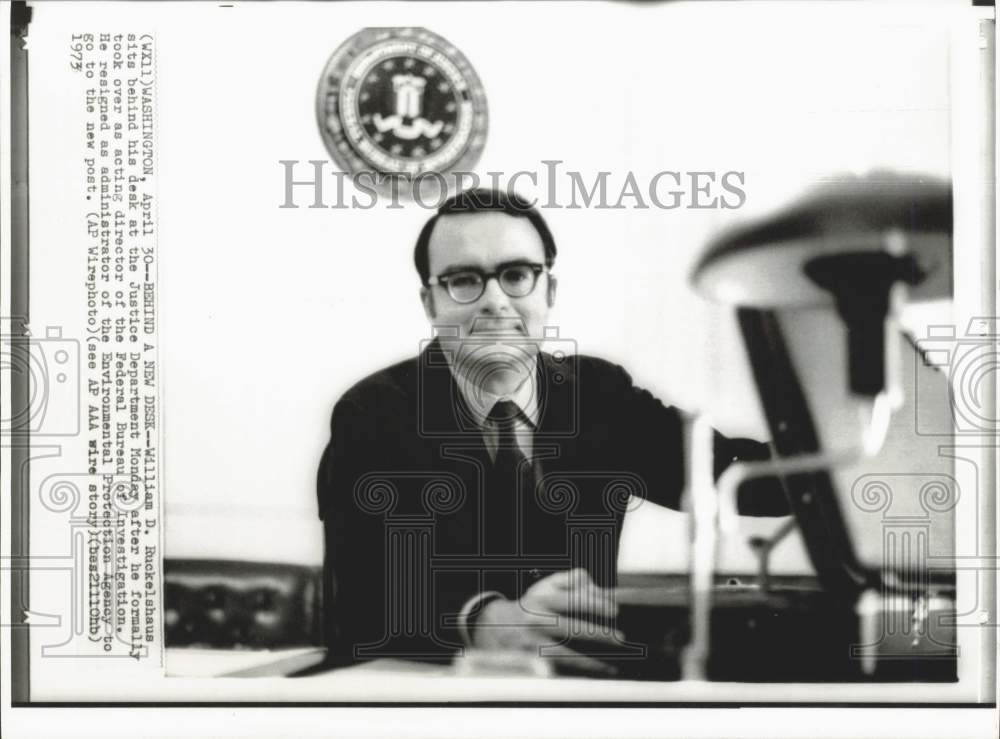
511 331
495 327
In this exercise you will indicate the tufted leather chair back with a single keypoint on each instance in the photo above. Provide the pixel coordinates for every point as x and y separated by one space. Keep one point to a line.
221 603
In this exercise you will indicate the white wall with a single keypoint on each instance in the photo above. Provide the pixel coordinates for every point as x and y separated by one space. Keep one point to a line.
265 320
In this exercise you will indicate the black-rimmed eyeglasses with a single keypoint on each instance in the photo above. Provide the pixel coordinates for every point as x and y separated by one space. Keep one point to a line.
517 280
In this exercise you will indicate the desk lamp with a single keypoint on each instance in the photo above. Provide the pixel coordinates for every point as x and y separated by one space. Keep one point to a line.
847 244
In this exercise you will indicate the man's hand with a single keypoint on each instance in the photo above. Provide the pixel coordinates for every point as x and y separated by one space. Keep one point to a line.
561 607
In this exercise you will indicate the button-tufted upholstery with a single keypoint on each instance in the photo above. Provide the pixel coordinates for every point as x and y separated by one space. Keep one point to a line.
221 603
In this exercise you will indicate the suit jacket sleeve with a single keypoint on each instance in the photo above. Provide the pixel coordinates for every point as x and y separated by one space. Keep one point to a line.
354 506
654 448
349 602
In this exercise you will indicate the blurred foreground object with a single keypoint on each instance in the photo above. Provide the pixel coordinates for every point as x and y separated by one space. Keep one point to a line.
846 244
817 288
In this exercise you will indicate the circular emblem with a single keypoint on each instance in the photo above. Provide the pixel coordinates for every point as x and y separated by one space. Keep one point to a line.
401 101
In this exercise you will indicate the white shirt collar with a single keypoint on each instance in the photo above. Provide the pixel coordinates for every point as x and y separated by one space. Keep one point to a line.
481 402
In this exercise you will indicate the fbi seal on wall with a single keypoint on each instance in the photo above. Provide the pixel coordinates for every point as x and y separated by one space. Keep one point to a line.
401 101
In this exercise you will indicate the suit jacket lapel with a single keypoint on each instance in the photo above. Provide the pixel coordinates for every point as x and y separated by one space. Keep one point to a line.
442 413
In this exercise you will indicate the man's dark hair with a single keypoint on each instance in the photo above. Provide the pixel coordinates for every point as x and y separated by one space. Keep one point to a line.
481 200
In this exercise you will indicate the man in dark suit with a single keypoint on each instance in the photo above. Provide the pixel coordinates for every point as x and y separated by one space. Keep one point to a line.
474 495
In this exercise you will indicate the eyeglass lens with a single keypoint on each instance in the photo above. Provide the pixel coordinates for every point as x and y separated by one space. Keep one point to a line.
517 281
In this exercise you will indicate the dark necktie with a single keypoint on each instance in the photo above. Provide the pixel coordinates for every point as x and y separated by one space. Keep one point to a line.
510 481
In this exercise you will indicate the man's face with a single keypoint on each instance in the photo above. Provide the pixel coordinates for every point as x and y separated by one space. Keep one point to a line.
486 241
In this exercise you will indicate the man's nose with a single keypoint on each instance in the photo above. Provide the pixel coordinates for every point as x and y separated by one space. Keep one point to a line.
494 299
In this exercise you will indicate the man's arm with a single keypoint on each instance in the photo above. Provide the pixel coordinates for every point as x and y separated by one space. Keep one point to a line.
350 561
655 450
360 487
759 496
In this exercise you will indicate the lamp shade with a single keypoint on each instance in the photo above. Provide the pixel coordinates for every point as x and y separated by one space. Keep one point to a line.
781 261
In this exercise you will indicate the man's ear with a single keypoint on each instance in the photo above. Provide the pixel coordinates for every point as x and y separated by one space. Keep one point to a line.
550 294
427 298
